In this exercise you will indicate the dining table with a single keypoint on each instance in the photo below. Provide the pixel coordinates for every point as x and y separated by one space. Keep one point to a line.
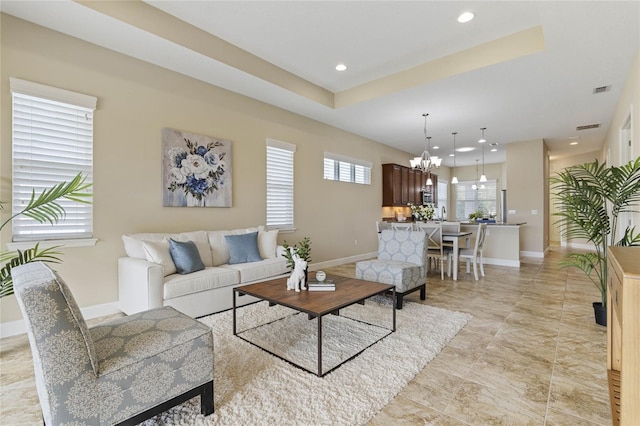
455 238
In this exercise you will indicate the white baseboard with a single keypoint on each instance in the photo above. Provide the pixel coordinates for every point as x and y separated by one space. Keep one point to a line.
499 262
538 254
337 262
13 328
579 246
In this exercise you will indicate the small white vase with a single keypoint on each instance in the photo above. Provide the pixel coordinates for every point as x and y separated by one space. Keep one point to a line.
192 201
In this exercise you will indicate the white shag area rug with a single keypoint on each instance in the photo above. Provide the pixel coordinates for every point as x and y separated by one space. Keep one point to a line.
253 387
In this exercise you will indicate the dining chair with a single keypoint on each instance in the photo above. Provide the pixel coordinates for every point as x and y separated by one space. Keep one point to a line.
381 224
450 228
402 226
474 254
435 249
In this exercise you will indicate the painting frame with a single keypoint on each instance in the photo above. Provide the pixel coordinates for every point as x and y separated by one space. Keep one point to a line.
196 170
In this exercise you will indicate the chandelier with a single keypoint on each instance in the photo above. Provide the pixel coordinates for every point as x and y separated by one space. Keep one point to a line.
425 162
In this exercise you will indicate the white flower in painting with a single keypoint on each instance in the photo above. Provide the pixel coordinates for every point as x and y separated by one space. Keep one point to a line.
195 165
176 175
176 155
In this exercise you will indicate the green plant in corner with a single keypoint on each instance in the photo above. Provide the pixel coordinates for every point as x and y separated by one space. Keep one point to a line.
44 209
302 249
590 197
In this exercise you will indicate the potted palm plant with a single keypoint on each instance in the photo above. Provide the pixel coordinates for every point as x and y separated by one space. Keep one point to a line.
45 209
590 198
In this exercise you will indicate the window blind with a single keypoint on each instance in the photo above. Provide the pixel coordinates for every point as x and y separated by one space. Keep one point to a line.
346 169
52 142
469 200
280 184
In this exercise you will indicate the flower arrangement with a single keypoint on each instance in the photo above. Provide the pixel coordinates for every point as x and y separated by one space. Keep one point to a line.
422 213
197 170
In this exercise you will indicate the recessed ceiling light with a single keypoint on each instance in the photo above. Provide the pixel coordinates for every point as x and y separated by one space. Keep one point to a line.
341 67
452 155
573 143
465 149
465 17
436 147
494 149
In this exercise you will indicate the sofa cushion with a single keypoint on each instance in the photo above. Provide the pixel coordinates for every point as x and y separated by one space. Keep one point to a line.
267 243
201 241
259 270
133 243
158 252
218 243
209 278
243 248
185 256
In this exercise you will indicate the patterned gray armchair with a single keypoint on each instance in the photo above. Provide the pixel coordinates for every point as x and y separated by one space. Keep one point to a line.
120 372
401 261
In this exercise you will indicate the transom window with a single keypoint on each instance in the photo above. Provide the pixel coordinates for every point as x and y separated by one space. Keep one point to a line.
345 169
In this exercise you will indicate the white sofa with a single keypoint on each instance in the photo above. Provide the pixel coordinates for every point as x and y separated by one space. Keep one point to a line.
147 276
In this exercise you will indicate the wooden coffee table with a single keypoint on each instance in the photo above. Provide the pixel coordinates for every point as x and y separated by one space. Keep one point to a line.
316 304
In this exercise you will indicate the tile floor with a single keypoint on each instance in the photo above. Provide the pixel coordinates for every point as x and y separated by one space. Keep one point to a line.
532 354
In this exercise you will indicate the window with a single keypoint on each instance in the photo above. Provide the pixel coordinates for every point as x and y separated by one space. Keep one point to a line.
345 169
280 184
52 142
443 190
469 200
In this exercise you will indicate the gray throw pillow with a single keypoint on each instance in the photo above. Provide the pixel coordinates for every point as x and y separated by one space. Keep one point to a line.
243 248
186 257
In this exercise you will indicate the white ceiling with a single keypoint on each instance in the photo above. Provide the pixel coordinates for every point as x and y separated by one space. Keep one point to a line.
523 95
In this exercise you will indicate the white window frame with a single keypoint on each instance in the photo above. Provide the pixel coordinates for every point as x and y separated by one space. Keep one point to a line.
58 123
280 185
479 196
443 197
346 169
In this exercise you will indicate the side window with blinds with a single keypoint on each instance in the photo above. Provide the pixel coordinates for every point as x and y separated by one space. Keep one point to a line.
52 142
280 184
346 169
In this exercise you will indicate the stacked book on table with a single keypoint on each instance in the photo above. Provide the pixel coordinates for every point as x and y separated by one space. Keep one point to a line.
326 285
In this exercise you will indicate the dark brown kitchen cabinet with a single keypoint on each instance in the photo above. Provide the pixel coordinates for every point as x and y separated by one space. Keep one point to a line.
402 185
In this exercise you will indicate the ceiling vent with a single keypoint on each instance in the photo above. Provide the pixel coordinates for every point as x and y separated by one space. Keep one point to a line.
601 89
588 126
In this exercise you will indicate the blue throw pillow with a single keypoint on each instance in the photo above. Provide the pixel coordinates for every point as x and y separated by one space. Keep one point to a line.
243 248
186 257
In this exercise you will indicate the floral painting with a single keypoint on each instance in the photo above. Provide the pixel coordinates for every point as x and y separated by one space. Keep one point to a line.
196 170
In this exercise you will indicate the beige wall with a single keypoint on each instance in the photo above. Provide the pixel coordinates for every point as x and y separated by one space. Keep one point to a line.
628 106
135 101
556 166
526 189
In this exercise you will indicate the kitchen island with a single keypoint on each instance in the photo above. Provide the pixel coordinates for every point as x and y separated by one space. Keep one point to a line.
501 244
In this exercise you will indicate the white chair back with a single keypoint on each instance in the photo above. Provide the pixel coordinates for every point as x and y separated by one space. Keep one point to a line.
450 227
382 225
402 226
435 249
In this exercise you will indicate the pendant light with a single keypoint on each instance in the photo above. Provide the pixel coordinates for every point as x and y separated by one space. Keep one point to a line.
425 162
429 181
475 184
483 177
454 180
